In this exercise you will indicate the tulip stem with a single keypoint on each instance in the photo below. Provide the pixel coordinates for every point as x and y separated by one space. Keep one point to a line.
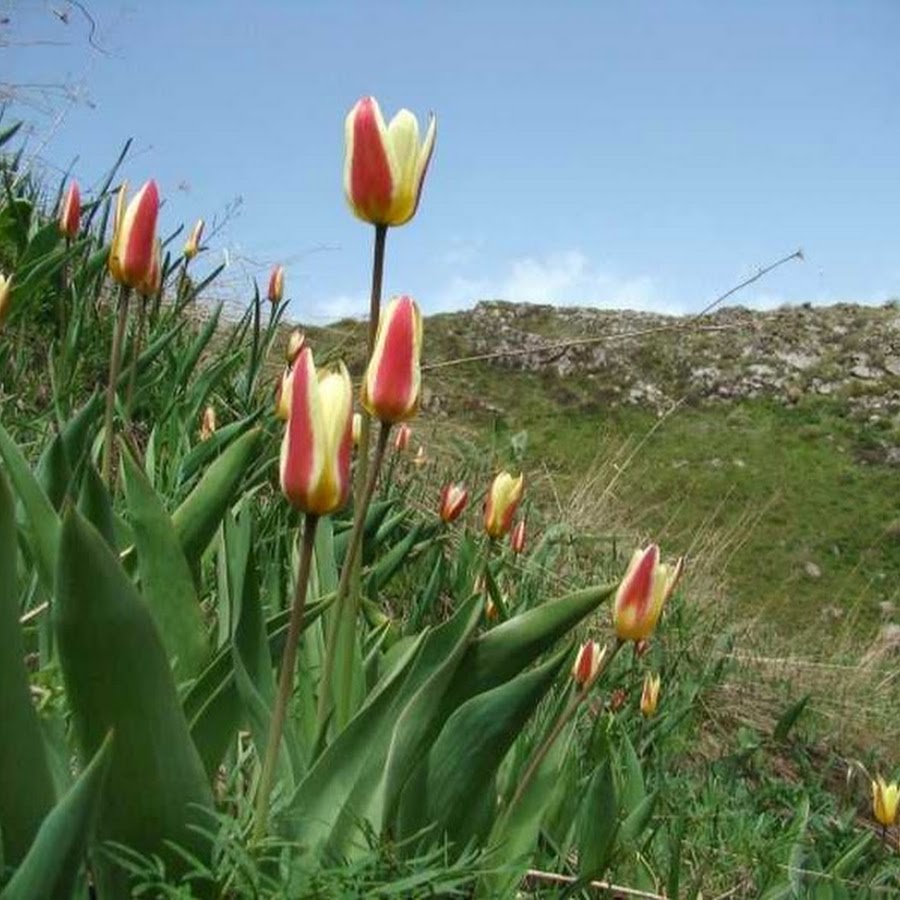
115 367
353 548
286 678
135 354
538 756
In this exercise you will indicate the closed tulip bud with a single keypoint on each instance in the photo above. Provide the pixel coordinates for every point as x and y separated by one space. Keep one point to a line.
650 695
517 537
420 459
491 613
617 699
5 296
385 165
295 343
642 594
151 286
192 244
283 395
132 255
208 423
70 211
454 498
401 438
885 799
276 285
315 452
502 502
357 428
587 663
390 390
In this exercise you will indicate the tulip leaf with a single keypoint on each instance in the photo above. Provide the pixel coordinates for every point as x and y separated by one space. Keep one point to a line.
95 505
24 800
43 533
166 582
199 516
598 823
52 865
117 676
464 759
206 450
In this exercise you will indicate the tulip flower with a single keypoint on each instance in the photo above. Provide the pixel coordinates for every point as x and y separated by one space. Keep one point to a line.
491 613
617 699
276 285
401 438
5 296
643 593
885 798
315 453
390 390
208 423
454 498
420 459
295 344
385 165
587 663
131 256
357 428
517 537
502 501
650 695
152 284
283 395
70 212
192 244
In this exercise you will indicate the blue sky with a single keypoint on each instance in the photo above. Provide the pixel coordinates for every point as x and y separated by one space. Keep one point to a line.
639 154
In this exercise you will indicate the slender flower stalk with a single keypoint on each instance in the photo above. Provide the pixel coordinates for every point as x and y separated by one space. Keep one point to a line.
286 678
115 366
596 668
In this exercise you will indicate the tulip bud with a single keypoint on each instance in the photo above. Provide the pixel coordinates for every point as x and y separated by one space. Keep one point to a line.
208 423
131 256
650 695
491 613
587 663
454 498
502 501
517 537
885 799
5 296
384 166
294 345
315 452
401 438
642 594
617 699
390 390
151 286
283 395
192 244
420 459
70 212
276 285
357 428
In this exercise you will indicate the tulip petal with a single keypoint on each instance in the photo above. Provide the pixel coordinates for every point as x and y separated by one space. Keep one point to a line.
403 155
368 178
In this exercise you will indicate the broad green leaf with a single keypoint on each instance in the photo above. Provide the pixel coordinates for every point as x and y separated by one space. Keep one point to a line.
166 582
26 788
466 755
43 522
52 865
95 505
597 823
117 676
206 450
632 792
789 718
198 517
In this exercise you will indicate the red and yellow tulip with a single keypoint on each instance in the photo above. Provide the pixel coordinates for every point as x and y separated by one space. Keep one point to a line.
133 251
152 284
650 695
643 593
517 537
501 504
885 801
391 387
315 452
587 663
70 211
295 343
192 244
283 395
208 423
276 285
454 498
385 165
402 437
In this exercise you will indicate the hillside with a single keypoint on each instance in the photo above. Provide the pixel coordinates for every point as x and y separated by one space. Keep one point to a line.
770 438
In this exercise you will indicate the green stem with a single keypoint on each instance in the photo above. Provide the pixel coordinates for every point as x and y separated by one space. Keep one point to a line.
541 752
286 678
135 354
115 367
356 535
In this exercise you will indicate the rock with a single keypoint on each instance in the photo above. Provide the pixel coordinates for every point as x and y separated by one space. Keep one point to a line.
892 365
867 373
812 570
